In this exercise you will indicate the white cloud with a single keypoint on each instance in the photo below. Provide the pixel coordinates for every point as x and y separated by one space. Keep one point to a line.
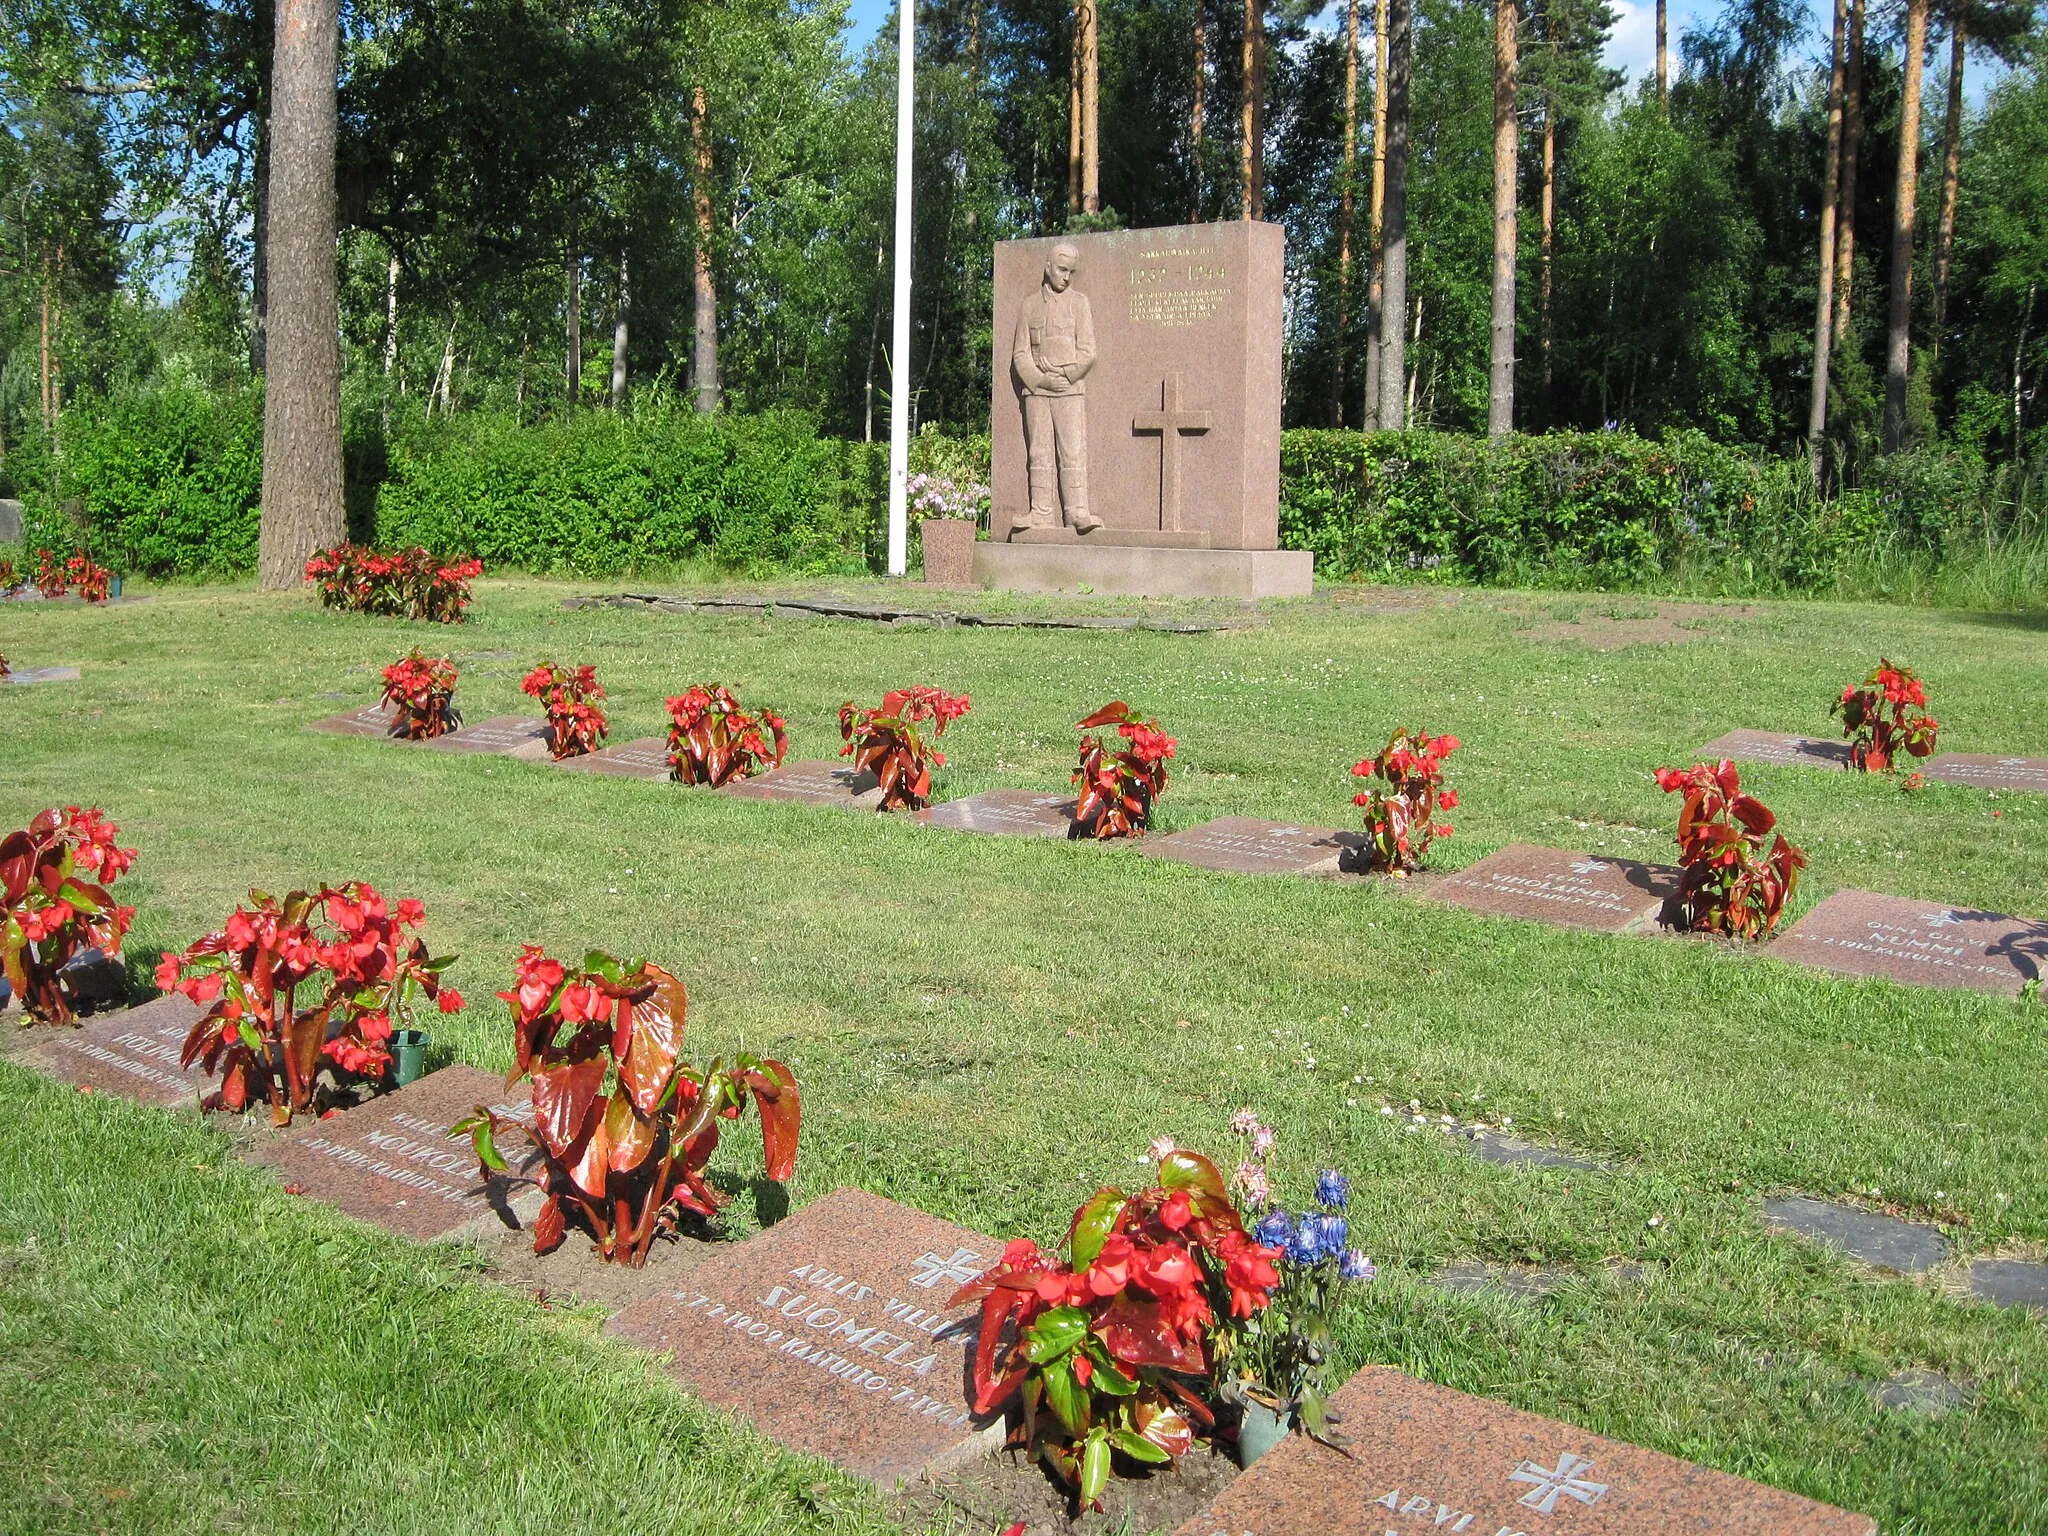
1632 45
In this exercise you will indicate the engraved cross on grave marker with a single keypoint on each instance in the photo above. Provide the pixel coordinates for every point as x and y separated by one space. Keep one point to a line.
965 1265
1170 422
1562 1479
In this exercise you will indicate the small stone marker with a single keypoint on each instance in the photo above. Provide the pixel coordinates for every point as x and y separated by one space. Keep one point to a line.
1772 747
24 675
1922 943
517 736
813 781
133 1053
1549 885
1869 1237
1240 845
370 720
1006 813
395 1162
646 758
1985 772
828 1332
10 520
2010 1283
1424 1459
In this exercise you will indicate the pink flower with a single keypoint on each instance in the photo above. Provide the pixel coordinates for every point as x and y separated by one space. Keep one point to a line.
1263 1140
1162 1147
1244 1122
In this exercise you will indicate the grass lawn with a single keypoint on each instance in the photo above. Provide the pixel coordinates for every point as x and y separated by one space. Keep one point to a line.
988 1028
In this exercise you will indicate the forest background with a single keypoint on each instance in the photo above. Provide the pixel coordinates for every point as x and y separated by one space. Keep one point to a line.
615 277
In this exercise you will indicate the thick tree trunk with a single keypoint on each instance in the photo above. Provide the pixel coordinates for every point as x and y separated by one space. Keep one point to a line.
572 307
1951 176
1500 384
1091 108
1373 288
302 506
619 341
1845 213
1251 168
1824 302
1898 352
1545 327
1394 228
1663 55
704 364
1198 107
1347 210
1077 120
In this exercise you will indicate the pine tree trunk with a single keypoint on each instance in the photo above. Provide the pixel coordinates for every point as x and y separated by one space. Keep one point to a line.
1951 177
1394 227
1076 118
572 308
1198 107
704 363
1091 109
1374 291
1824 302
1250 166
1845 213
302 506
1898 353
259 254
1258 109
1346 212
1663 55
1500 387
49 411
1547 404
619 341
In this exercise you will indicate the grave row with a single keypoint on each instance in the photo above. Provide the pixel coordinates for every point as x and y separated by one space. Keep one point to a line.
1850 933
1976 769
830 1332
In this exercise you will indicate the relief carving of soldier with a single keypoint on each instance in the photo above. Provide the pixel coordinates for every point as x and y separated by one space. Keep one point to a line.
1053 350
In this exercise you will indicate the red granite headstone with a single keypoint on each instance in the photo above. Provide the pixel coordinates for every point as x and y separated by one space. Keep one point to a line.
133 1053
812 781
1573 890
1923 943
1774 747
370 720
1423 1460
1240 845
646 758
1982 771
395 1161
1006 813
829 1332
502 735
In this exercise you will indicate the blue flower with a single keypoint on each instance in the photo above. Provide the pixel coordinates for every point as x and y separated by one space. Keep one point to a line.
1305 1246
1275 1228
1356 1266
1330 1235
1333 1189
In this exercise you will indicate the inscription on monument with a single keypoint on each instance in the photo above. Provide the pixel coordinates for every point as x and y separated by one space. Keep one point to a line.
1573 890
1423 1459
1240 845
812 781
646 758
1984 772
829 1332
133 1053
1773 747
507 735
1005 812
370 720
1861 933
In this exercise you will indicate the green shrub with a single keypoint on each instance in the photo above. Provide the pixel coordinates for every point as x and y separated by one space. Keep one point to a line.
169 478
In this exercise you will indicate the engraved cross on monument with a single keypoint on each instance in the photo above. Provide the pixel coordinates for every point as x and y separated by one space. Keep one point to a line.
1170 422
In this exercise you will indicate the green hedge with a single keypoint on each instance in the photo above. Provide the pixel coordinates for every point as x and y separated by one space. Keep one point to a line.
169 479
603 494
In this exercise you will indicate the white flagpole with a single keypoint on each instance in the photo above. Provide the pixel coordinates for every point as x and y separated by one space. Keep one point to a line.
899 360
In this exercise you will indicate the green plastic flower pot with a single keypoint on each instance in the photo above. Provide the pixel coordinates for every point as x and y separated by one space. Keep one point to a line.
113 587
410 1047
1261 1429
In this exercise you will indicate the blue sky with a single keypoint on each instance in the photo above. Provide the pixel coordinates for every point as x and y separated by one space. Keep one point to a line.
1632 47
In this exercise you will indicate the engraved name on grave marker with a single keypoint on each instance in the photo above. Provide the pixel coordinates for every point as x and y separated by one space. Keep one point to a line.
1985 772
646 758
1774 747
133 1053
1006 813
1922 943
1549 885
507 735
812 781
370 720
1242 845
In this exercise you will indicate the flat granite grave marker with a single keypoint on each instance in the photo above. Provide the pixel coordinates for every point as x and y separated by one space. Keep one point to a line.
1242 845
26 675
1425 1459
1981 771
133 1053
396 1162
1005 813
370 720
1923 943
518 736
1774 747
828 1332
1549 885
812 781
646 758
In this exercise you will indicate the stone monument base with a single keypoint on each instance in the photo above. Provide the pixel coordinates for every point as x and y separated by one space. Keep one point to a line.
1127 570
